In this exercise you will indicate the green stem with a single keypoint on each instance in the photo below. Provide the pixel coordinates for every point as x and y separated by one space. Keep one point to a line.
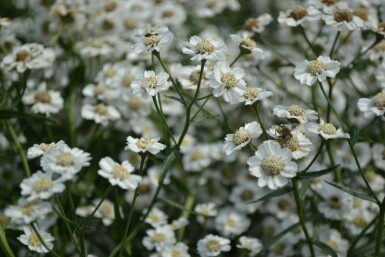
42 241
160 113
308 41
71 117
315 157
4 244
272 47
380 229
136 193
337 172
378 39
334 44
237 58
255 108
300 216
19 148
362 234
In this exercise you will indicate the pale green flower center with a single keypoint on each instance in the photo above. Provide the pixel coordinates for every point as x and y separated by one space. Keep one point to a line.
298 12
43 185
296 110
359 221
135 103
28 208
251 24
158 237
43 97
316 67
204 47
127 79
176 253
110 72
241 136
379 100
228 79
101 109
328 129
231 222
106 209
65 159
249 43
34 240
251 93
100 90
341 15
273 165
213 245
151 82
196 155
120 172
47 147
152 40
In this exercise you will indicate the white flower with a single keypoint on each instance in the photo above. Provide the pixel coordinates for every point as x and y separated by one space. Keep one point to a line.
327 130
343 19
150 84
106 211
65 161
26 212
177 250
29 56
333 239
170 13
373 106
247 45
253 94
43 101
32 240
298 15
231 223
272 165
241 137
212 245
205 210
119 174
40 186
251 244
156 218
357 220
207 49
143 145
296 112
309 72
227 82
242 194
196 158
257 25
100 113
159 238
38 150
152 38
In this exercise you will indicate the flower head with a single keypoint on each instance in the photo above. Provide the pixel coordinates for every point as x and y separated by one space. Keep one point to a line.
40 242
144 144
205 49
212 245
150 84
242 137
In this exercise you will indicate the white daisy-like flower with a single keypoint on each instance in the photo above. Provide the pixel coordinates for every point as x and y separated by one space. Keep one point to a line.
343 19
32 240
257 25
65 161
197 158
231 223
156 218
251 244
309 72
206 49
179 223
373 106
205 210
100 92
212 245
357 220
296 112
241 137
333 239
106 211
119 174
298 15
29 56
272 165
253 94
295 141
5 22
159 238
39 149
177 250
247 45
152 38
100 113
26 212
43 101
327 130
170 13
378 153
41 186
228 82
144 144
150 84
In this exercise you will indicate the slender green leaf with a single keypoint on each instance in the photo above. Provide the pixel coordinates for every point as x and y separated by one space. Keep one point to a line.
175 98
176 205
4 244
314 174
9 114
351 192
326 248
354 134
276 193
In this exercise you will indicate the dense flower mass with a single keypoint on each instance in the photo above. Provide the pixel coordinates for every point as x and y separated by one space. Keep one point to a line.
175 128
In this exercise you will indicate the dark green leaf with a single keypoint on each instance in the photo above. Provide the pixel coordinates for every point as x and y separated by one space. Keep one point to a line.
276 193
315 174
9 114
326 248
353 193
4 244
354 134
176 205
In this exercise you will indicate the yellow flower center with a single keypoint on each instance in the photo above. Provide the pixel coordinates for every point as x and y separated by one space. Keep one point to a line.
110 72
110 6
362 12
100 90
65 159
328 129
101 109
34 240
241 136
28 208
249 43
380 47
144 143
213 245
127 79
228 79
333 244
341 15
43 97
168 13
106 209
359 221
120 172
43 185
176 253
273 165
381 26
196 155
204 47
194 76
151 82
297 13
130 23
251 24
22 55
47 147
144 189
251 93
152 40
379 100
230 222
135 103
296 110
316 67
158 237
